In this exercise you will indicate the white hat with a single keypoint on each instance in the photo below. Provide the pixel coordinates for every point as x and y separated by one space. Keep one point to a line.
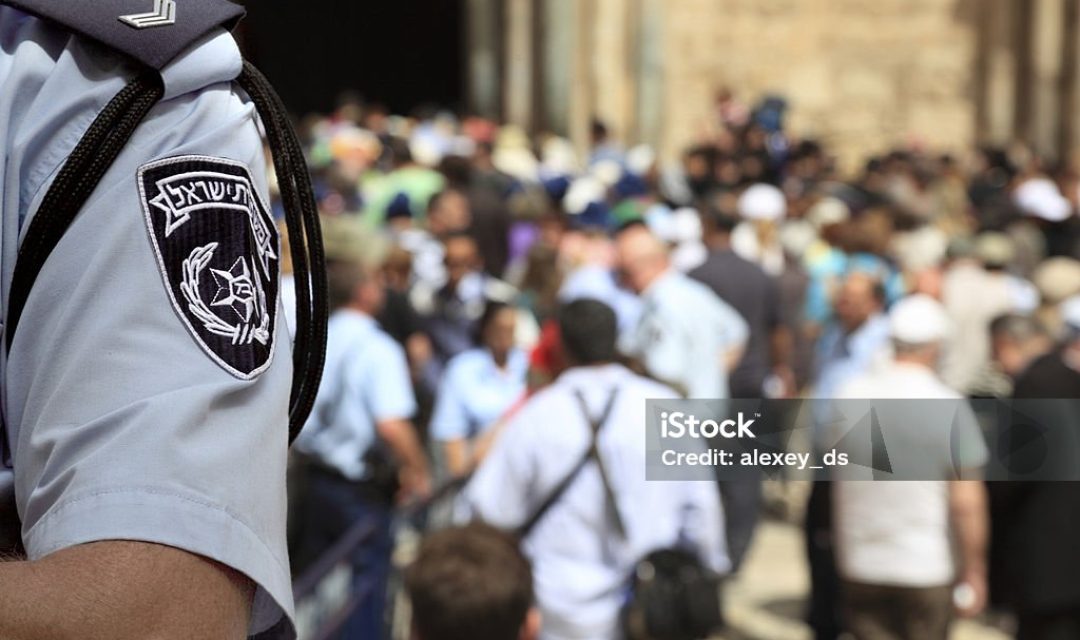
640 159
762 202
1040 198
828 210
685 225
918 319
583 192
1057 279
1070 312
606 171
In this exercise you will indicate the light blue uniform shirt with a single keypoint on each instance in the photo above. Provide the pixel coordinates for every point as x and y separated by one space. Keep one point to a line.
366 381
599 283
684 332
121 427
475 393
580 565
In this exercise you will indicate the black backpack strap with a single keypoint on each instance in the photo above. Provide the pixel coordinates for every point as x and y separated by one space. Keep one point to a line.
592 453
97 151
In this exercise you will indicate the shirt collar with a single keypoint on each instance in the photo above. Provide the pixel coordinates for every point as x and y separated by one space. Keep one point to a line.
354 318
591 375
659 283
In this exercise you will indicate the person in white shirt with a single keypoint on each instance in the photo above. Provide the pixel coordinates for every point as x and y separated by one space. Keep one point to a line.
581 564
895 540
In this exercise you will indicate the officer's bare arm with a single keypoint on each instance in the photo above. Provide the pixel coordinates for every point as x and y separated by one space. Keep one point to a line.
121 591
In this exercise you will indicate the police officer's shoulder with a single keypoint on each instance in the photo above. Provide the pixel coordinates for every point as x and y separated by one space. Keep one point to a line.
152 32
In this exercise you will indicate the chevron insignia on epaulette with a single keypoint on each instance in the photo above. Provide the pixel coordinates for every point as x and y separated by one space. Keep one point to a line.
163 15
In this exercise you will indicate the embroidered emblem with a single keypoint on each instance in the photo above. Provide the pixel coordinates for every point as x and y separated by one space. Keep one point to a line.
163 15
217 249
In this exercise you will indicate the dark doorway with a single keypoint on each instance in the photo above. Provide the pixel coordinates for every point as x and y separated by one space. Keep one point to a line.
400 53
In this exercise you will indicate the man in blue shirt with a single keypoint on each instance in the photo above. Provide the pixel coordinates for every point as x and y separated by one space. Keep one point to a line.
362 452
686 335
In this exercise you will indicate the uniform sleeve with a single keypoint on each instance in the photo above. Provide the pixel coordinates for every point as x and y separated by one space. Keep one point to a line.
131 424
449 421
389 392
660 343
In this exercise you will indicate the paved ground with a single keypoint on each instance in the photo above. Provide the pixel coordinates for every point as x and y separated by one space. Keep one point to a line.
766 601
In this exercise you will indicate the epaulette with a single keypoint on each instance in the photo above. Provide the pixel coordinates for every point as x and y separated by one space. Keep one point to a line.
152 32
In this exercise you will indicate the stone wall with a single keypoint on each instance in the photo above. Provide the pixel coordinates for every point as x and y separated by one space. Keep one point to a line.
861 75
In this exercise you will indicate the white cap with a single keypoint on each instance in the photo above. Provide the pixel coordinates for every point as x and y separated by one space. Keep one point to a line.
606 171
583 192
828 210
685 225
640 159
1040 198
559 156
762 202
1070 312
918 319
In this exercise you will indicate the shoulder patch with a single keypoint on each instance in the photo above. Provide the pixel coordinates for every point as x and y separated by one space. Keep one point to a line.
217 250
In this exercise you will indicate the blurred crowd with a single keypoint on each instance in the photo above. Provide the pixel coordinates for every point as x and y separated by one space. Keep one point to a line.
495 293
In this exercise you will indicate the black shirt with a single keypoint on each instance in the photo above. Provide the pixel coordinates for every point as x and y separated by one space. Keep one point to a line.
750 291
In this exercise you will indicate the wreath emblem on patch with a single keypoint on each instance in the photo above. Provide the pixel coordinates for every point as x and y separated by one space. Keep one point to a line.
217 250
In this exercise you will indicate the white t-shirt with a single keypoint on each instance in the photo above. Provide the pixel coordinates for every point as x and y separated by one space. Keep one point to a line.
898 532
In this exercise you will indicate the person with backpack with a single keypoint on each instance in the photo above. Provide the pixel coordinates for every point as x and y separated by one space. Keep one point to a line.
568 473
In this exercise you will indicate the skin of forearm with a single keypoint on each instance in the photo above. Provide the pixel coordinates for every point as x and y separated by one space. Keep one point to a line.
457 457
122 591
782 346
401 438
968 506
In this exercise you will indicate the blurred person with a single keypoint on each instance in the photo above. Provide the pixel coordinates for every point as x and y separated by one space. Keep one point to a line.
689 338
418 182
749 290
856 339
975 290
686 335
762 207
1057 280
450 312
399 319
1047 227
360 451
1040 521
895 540
471 582
478 388
1016 341
448 213
580 561
603 146
854 342
732 113
589 259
